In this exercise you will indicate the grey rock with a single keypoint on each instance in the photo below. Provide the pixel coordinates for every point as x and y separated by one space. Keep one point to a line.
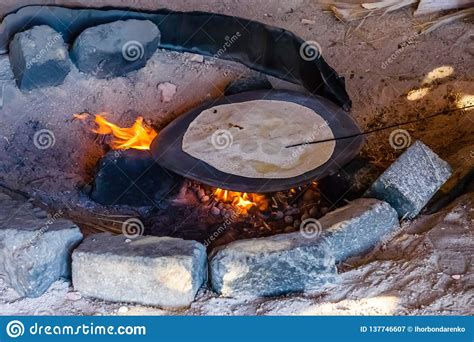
7 80
357 227
411 181
150 270
39 58
271 266
301 261
192 57
6 73
34 252
116 48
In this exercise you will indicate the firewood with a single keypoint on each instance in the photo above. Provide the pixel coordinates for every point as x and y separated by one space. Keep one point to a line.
434 6
350 12
385 4
346 13
433 25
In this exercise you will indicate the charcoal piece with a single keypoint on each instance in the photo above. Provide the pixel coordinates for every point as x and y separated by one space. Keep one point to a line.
132 177
411 181
149 270
39 58
116 48
248 84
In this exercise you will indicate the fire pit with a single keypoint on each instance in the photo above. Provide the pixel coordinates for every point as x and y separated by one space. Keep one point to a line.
119 125
136 179
112 170
128 175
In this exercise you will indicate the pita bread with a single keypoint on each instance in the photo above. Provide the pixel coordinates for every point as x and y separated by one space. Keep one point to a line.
248 139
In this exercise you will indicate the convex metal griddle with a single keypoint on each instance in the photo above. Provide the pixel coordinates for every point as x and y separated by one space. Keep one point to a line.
167 147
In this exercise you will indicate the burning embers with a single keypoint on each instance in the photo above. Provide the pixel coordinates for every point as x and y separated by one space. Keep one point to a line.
241 200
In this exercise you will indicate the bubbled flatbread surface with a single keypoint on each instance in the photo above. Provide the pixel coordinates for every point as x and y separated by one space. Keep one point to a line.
248 139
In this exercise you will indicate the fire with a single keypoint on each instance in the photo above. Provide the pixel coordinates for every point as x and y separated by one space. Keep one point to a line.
241 199
139 136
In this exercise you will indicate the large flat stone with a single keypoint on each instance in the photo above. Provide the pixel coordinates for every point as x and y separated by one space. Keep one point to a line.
411 181
271 266
35 251
39 58
150 270
357 227
116 48
301 261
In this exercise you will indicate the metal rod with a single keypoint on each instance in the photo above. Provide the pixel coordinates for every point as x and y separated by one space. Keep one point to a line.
446 111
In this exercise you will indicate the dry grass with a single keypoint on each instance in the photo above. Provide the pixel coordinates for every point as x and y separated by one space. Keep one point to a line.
351 12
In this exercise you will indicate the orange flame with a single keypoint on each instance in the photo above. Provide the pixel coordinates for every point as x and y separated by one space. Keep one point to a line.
139 136
241 199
